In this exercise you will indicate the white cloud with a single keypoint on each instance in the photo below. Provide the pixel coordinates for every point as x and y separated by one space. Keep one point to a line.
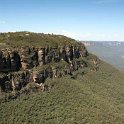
93 36
69 34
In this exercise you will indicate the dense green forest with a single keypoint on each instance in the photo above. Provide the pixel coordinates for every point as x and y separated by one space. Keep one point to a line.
95 97
35 39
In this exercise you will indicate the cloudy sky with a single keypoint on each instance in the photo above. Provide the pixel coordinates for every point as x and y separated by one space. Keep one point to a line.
80 19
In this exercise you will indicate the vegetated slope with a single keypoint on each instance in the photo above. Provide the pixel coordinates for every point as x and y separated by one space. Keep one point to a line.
34 39
93 98
86 97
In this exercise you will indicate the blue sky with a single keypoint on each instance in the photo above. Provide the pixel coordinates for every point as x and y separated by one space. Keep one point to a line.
79 19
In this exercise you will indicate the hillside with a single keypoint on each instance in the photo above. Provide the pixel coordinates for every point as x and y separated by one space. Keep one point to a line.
96 97
14 39
87 96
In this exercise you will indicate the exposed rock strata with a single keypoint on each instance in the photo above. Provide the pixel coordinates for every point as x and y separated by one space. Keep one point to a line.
19 63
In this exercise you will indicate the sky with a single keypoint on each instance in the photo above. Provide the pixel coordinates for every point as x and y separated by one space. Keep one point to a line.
96 20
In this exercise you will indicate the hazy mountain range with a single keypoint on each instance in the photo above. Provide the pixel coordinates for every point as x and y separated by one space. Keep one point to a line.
111 52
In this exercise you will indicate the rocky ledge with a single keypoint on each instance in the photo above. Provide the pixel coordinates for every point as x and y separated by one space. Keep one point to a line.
23 65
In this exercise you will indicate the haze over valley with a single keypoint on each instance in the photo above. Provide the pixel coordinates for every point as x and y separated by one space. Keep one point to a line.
109 51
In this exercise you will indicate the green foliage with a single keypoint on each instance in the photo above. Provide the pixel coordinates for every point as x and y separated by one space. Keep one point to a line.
86 97
36 39
60 64
2 75
95 97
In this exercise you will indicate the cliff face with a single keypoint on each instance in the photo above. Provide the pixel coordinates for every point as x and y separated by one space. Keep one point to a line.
78 88
93 97
27 58
20 64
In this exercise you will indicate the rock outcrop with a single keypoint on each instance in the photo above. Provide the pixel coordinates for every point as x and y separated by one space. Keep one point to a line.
27 58
20 64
